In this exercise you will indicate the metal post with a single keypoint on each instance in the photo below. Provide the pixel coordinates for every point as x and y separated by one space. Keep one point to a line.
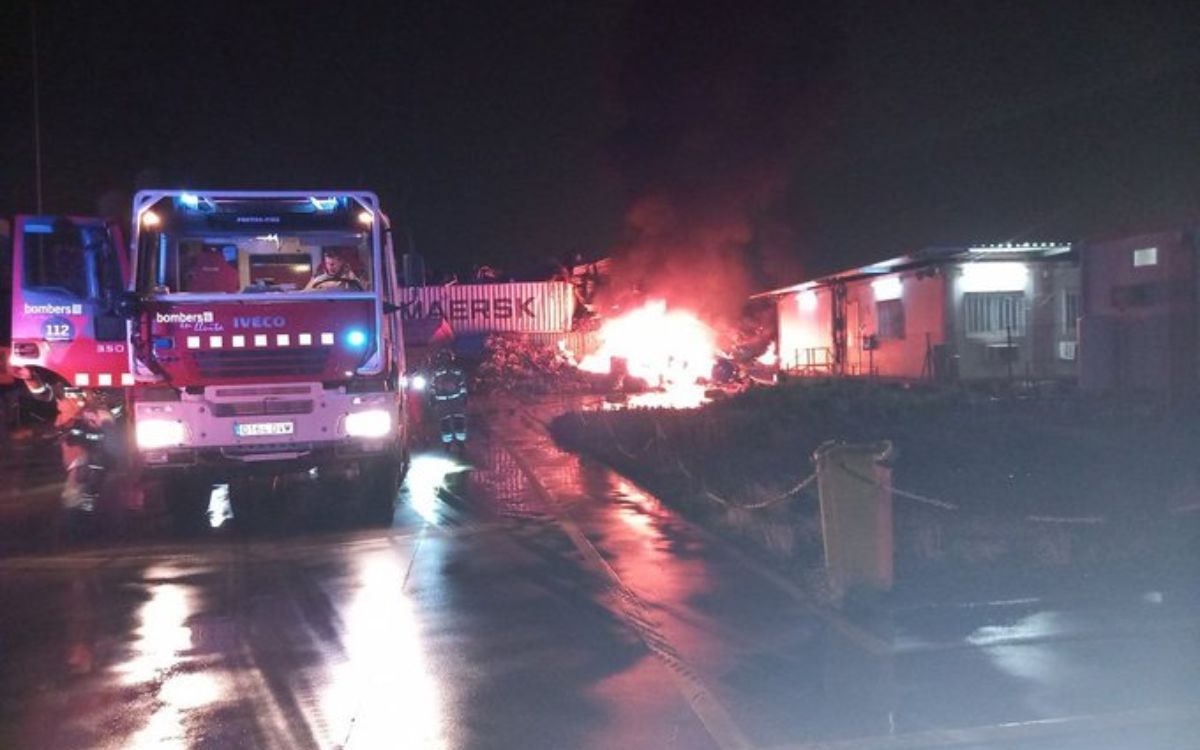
1008 350
854 483
37 106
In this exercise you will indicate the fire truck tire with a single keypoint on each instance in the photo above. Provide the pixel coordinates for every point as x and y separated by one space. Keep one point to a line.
186 498
378 485
253 502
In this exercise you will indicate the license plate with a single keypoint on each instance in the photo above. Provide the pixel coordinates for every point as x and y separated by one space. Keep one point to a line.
259 429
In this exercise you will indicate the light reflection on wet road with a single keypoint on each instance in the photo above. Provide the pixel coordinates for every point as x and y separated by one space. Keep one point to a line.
526 599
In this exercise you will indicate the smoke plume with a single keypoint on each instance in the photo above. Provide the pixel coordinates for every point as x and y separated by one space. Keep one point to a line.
719 102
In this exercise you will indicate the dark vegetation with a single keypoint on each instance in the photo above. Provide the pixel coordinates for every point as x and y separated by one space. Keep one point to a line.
1051 487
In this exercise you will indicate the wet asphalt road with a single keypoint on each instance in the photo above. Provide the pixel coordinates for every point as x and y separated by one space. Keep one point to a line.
525 599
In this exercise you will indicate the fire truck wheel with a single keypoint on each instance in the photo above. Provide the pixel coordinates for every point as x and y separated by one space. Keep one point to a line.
252 502
187 499
378 485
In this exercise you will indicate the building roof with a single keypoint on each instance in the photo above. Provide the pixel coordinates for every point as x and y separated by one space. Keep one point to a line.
936 255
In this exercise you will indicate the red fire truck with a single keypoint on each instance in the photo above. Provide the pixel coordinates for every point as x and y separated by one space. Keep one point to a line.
257 338
263 339
68 274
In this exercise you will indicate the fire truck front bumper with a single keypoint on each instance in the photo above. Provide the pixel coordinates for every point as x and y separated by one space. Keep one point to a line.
252 426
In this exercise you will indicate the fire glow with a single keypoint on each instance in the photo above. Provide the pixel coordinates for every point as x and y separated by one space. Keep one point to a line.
661 346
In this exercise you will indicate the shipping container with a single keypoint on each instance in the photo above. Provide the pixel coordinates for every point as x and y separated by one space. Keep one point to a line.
474 310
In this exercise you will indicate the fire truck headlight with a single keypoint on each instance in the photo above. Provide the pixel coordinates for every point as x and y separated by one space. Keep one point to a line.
373 423
418 382
159 433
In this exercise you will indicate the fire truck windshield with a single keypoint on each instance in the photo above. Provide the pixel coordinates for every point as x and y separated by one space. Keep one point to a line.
236 262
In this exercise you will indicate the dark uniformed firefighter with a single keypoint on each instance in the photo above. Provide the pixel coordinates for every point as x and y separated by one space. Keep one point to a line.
448 397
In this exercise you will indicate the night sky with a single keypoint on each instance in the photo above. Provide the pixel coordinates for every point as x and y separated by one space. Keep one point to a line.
512 133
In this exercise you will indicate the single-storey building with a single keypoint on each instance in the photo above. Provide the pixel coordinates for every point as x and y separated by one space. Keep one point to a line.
979 312
1139 329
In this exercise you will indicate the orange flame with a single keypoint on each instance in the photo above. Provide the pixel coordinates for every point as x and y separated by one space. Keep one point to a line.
661 346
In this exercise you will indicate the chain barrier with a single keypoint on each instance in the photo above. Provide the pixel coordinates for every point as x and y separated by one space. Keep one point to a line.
660 437
795 490
718 499
1089 520
944 505
1080 520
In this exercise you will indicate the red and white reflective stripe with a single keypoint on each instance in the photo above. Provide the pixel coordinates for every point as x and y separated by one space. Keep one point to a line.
102 379
259 340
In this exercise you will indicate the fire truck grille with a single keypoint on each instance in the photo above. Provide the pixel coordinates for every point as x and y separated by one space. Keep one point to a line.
261 363
261 408
265 449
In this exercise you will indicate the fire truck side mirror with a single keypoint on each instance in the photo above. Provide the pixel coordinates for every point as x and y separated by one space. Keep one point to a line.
390 308
128 305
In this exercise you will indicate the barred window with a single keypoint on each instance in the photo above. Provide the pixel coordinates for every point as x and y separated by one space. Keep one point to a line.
889 315
994 313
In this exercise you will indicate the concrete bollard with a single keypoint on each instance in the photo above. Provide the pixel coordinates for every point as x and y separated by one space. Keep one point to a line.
855 483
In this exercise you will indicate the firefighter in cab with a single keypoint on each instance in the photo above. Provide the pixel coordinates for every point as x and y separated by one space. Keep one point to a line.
336 273
448 398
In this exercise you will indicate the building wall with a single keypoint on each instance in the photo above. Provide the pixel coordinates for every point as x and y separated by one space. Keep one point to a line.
1041 344
1139 325
806 327
910 354
805 331
991 321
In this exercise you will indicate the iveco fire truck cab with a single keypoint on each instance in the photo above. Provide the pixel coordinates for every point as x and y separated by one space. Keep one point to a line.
68 275
263 340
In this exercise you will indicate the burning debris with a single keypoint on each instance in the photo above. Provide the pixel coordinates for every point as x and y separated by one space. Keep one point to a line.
660 346
651 354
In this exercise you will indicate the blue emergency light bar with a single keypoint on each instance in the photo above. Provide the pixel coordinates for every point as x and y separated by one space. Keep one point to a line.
326 204
356 337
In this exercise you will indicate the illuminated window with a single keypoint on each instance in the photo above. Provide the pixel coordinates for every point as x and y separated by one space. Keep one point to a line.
1145 256
889 315
994 313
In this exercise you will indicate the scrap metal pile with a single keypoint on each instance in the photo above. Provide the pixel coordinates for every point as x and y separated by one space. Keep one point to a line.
512 363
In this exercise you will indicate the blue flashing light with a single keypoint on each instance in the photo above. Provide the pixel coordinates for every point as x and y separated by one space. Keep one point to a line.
38 229
189 200
356 337
164 342
324 204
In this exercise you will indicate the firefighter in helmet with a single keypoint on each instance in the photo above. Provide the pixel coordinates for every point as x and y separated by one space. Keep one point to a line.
448 398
